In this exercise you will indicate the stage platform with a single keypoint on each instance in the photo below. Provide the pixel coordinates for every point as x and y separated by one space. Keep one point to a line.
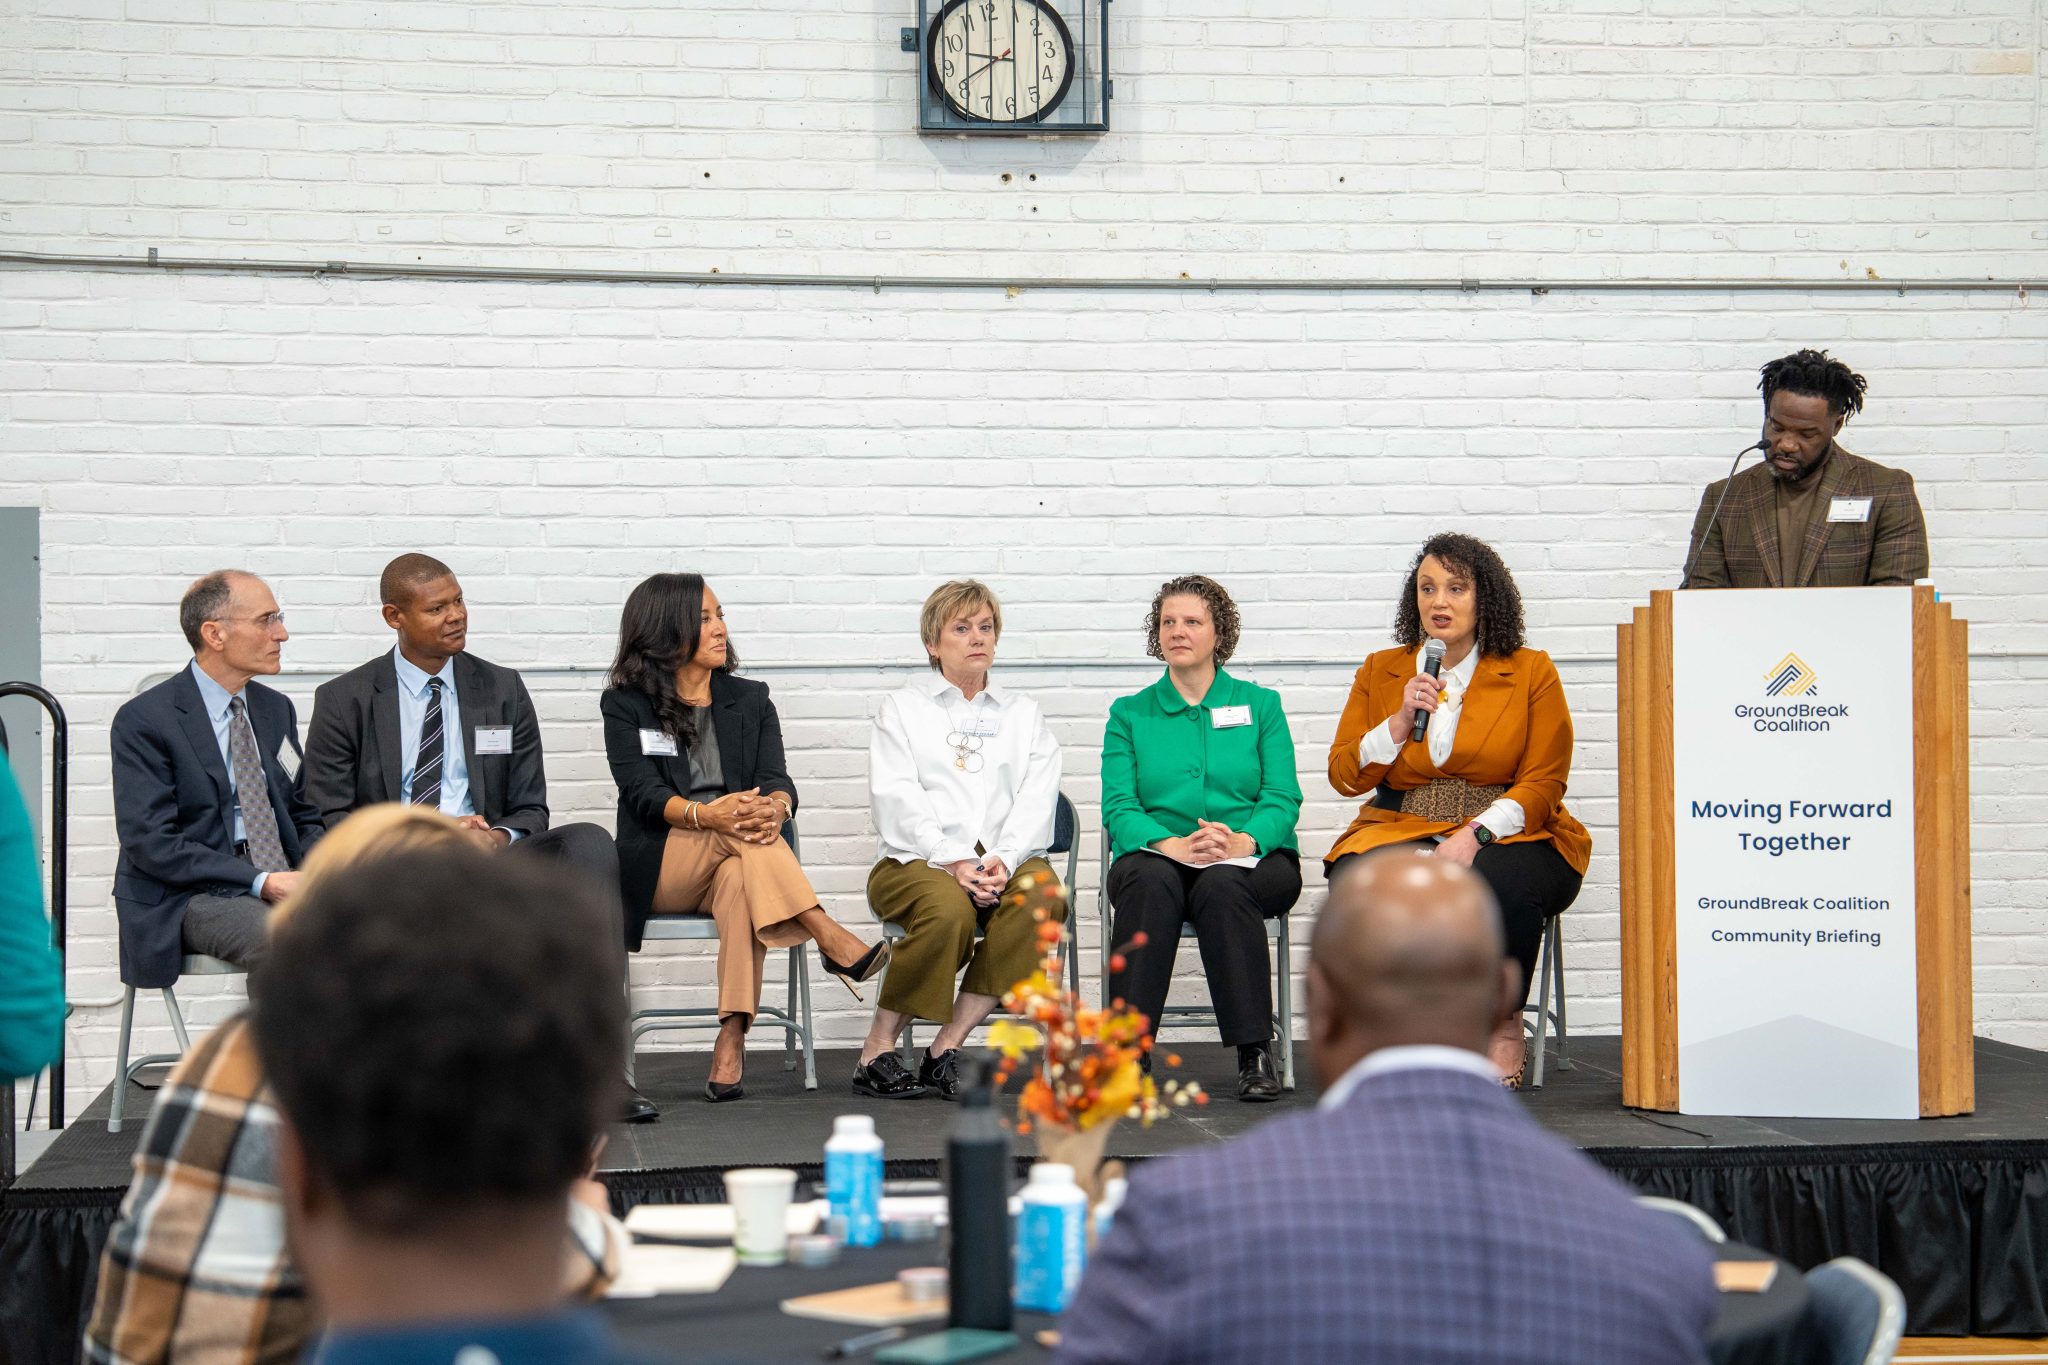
1955 1210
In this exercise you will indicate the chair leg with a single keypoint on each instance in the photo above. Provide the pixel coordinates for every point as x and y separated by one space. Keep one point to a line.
1285 964
177 1019
632 1043
803 991
121 1062
1542 1005
789 1015
1564 1059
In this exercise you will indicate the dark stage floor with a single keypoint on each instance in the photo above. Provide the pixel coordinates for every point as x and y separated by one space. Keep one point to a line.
1954 1209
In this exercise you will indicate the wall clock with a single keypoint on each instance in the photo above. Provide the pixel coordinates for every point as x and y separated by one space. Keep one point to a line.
1011 66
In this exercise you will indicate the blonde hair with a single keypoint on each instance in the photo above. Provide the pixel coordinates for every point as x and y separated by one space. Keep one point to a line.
372 832
950 602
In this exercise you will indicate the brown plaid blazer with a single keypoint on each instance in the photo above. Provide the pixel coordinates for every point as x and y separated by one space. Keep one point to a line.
1740 550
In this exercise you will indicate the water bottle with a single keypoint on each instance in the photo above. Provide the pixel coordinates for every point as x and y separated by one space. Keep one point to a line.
853 1178
1052 1239
978 1210
1113 1191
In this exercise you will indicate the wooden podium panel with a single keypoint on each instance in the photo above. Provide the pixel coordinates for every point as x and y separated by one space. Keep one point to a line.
1941 796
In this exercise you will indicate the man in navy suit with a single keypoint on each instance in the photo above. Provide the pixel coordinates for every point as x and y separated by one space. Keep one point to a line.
207 798
1418 1215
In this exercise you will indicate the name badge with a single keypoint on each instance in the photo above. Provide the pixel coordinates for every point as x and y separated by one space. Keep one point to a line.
657 744
1849 509
288 758
494 739
1230 717
982 724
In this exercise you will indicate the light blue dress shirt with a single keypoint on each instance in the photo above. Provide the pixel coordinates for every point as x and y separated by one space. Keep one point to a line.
215 699
413 690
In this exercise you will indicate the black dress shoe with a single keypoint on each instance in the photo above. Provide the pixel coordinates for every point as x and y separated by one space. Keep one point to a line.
886 1078
873 961
1256 1083
718 1092
637 1108
941 1074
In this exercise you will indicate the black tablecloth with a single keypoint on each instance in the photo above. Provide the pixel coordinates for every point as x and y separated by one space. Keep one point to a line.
1761 1329
744 1321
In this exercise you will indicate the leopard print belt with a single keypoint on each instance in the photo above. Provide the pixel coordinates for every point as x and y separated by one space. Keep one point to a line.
1446 800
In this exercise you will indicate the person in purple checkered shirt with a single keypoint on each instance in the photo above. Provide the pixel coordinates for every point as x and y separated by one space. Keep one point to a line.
1418 1214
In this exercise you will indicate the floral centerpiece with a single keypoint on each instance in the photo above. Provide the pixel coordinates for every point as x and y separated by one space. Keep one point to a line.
1090 1070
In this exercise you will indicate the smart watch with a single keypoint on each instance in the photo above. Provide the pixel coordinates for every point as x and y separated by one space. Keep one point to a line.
1481 833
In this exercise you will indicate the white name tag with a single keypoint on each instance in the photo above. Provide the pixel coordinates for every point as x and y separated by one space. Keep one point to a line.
656 744
983 724
288 758
1849 509
494 739
1230 717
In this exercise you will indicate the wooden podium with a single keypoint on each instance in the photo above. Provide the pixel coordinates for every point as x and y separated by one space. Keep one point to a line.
1940 877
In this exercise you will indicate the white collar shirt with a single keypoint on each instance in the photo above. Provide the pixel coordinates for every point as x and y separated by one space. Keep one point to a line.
413 686
1503 817
946 774
1418 1057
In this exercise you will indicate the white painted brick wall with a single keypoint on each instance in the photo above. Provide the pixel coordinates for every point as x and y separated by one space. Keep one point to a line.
826 456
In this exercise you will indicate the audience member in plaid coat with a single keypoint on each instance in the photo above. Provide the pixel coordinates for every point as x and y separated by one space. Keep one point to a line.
1811 515
1418 1215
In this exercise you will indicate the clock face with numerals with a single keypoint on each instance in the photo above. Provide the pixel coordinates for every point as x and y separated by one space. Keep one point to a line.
1000 61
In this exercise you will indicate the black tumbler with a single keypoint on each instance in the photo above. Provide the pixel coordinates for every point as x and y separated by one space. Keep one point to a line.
978 1209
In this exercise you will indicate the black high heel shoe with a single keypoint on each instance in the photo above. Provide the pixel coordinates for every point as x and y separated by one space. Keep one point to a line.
719 1093
871 964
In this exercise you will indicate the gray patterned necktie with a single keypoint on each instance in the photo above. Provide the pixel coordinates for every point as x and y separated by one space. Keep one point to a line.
259 821
426 773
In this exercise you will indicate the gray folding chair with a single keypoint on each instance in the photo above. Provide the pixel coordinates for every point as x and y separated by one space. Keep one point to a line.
1066 839
1856 1312
1549 1015
1679 1209
795 1019
1283 970
124 1069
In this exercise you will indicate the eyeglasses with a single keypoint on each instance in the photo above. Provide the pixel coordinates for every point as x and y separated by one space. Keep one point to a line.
267 622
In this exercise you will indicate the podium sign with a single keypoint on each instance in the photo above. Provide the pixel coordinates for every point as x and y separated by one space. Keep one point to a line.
1792 762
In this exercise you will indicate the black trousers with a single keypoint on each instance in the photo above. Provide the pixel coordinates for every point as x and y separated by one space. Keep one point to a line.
1228 907
586 852
1532 884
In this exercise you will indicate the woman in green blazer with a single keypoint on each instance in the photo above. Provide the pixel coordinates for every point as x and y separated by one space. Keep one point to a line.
1199 796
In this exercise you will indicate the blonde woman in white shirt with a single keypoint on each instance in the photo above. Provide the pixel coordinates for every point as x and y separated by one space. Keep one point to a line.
963 777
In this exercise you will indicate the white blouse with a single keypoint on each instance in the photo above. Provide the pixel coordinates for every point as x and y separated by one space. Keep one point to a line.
926 803
1503 817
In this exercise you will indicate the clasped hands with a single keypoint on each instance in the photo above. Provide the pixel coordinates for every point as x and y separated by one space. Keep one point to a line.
983 879
481 834
747 816
1212 842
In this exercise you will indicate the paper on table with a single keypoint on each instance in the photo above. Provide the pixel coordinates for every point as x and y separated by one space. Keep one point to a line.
710 1222
1220 862
1744 1277
649 1270
870 1305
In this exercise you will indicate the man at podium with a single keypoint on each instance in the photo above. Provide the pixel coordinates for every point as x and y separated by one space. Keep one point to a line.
1811 515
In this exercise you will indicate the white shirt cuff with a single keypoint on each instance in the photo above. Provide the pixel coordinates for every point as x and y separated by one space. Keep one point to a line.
256 887
1377 747
512 835
1503 818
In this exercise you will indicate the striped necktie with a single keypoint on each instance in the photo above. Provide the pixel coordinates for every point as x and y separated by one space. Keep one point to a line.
426 773
252 790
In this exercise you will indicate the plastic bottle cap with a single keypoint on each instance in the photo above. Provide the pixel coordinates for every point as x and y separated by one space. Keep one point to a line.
1052 1173
854 1125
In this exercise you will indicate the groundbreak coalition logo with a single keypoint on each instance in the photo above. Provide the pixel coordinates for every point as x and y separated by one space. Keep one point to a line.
1791 676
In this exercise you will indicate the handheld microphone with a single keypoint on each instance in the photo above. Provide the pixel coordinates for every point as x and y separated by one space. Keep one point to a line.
1693 549
1432 664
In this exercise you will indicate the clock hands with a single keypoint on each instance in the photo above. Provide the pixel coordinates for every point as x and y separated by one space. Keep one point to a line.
1006 57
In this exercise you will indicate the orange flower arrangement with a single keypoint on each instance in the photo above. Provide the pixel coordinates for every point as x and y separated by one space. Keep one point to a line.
1089 1074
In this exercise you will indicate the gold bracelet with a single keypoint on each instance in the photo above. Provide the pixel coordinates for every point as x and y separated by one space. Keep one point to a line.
692 810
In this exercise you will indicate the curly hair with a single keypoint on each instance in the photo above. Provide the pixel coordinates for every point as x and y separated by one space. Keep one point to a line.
1222 611
1498 602
1817 375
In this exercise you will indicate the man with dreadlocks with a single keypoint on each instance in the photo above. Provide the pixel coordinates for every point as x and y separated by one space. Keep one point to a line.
1811 515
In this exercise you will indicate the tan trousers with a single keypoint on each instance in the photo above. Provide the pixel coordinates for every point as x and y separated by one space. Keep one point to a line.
753 891
940 920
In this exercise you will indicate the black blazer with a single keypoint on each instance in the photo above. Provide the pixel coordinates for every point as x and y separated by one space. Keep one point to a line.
354 756
749 751
175 818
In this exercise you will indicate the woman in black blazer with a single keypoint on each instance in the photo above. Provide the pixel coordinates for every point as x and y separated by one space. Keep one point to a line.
702 806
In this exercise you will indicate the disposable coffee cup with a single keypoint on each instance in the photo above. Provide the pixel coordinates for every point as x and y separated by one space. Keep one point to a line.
759 1196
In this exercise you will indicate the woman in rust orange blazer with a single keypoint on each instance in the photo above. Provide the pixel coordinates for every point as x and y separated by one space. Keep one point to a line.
1486 783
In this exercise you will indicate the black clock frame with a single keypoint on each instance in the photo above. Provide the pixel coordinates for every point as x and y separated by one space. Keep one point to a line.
1087 68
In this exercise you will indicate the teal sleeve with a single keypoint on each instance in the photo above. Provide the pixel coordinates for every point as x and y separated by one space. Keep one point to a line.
32 1003
1130 825
1274 815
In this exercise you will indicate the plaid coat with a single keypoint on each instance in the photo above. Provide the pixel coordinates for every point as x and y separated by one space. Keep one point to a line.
195 1268
1740 549
1425 1220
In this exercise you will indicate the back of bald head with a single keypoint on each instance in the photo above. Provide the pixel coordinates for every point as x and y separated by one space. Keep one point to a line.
405 576
1410 944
